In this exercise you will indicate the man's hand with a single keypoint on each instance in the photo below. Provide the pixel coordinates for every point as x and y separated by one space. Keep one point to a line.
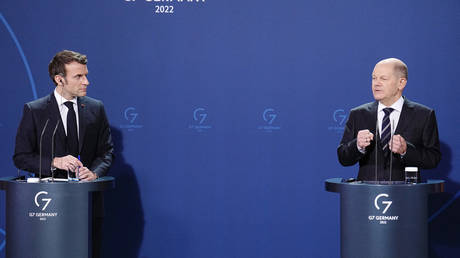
398 145
86 175
68 162
364 138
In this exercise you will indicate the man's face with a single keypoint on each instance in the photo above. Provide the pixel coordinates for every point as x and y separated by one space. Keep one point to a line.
75 82
386 85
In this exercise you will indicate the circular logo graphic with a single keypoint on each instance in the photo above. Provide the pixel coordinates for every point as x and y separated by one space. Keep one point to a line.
269 115
130 114
200 115
339 116
21 52
387 203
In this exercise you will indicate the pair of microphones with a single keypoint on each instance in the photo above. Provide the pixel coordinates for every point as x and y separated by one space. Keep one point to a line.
376 150
40 151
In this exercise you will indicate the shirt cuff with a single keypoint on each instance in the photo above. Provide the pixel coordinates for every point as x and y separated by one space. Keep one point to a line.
362 150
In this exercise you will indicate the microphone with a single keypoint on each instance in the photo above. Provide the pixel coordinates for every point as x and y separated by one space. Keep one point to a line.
375 147
41 138
52 147
391 152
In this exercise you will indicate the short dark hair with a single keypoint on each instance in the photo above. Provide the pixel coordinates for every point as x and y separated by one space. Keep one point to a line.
57 64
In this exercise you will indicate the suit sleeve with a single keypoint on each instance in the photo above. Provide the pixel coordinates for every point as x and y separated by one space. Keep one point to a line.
347 151
104 152
426 154
26 153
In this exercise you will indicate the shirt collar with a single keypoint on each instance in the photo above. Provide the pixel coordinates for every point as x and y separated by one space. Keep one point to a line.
396 106
61 100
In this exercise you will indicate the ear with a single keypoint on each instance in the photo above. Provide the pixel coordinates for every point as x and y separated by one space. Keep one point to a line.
402 83
59 79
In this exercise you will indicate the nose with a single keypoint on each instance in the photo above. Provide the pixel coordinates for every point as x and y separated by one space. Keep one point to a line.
85 81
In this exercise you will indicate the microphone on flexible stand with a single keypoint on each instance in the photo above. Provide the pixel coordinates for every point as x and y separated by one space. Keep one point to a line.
375 147
52 148
391 152
40 156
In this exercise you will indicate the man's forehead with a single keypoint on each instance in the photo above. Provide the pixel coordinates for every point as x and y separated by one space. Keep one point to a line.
76 67
384 68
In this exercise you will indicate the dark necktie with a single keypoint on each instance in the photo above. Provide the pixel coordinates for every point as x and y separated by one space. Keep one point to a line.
386 129
72 133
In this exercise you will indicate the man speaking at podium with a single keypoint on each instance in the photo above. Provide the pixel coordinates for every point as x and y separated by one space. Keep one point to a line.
67 131
367 136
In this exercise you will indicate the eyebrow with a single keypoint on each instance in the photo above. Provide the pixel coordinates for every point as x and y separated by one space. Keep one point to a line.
81 74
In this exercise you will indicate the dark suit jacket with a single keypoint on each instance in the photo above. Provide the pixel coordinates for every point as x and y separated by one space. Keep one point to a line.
95 141
417 125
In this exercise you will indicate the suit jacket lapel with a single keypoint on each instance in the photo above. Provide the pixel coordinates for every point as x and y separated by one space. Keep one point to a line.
81 121
373 121
55 115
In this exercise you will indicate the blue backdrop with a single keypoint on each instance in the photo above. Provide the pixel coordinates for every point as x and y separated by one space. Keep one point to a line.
226 115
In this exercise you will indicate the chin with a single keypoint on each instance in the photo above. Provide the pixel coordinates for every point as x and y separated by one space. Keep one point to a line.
377 98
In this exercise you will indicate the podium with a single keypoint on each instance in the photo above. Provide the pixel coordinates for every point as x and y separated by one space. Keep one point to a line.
383 220
50 219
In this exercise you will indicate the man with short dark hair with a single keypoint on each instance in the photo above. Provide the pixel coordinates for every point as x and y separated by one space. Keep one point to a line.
57 64
93 152
82 138
415 141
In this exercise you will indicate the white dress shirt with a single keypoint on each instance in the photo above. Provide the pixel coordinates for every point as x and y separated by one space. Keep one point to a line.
63 110
394 116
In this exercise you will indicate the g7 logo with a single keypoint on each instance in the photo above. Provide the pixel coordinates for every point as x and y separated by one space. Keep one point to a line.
269 115
130 115
387 203
199 114
46 200
339 116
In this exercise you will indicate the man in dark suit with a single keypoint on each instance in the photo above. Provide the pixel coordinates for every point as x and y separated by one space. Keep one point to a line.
82 139
92 150
367 136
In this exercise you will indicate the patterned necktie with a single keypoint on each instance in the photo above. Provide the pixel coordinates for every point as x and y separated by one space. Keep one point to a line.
386 129
72 133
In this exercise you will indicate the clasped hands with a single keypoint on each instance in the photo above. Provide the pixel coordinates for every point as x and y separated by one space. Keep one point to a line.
397 145
71 163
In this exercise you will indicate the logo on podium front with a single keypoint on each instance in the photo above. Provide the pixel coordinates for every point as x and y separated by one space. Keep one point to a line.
42 201
386 203
382 204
